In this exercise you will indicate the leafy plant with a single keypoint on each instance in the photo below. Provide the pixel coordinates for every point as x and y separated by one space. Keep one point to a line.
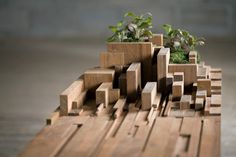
181 42
132 28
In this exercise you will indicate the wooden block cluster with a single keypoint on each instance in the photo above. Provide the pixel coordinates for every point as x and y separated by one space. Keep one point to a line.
111 59
193 57
133 81
148 95
185 102
163 58
177 90
157 39
71 94
94 77
102 93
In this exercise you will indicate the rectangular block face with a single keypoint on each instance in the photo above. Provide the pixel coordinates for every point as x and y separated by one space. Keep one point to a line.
216 85
177 90
189 70
111 59
114 95
148 95
122 84
201 94
169 81
133 79
202 72
178 76
163 58
199 103
69 95
204 84
157 39
216 100
102 93
185 102
94 77
135 52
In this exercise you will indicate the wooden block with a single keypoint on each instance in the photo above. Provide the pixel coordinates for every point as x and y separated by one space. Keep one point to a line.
177 90
207 106
185 102
215 75
216 111
202 72
75 112
216 91
189 70
135 52
157 39
69 95
192 60
114 95
199 102
123 84
178 76
111 59
204 84
79 101
163 58
94 77
201 94
216 70
133 79
216 100
53 117
216 85
192 54
102 93
169 81
100 108
148 95
119 106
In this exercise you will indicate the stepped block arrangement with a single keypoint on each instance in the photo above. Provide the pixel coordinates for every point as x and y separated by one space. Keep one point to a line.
136 103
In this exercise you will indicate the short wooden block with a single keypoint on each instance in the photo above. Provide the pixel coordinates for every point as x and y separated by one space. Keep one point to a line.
119 106
111 59
216 100
53 117
204 84
216 85
216 91
189 70
94 77
185 102
215 111
69 95
201 94
79 101
199 103
178 76
133 78
192 54
122 84
157 39
114 95
177 90
216 70
102 93
207 106
148 95
192 60
215 75
169 81
163 58
202 72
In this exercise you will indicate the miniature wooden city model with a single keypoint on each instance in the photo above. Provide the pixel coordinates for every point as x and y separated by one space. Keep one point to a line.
136 104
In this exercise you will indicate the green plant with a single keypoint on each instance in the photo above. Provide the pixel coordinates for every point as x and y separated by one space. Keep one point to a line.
132 28
180 42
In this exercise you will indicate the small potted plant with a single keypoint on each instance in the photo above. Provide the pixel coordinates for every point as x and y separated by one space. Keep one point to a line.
131 36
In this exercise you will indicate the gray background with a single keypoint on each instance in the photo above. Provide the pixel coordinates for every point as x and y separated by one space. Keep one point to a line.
46 44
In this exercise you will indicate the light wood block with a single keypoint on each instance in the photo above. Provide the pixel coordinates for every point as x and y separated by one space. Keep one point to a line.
69 95
123 84
157 39
216 91
94 77
178 76
119 106
207 106
199 103
163 58
215 75
148 95
102 93
53 117
192 60
202 72
133 78
185 102
189 70
177 90
216 111
204 84
201 94
114 95
111 59
216 85
135 52
216 100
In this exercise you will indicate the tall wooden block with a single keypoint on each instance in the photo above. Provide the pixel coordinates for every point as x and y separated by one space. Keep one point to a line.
157 39
204 84
178 76
69 95
114 95
94 77
177 90
111 59
199 103
102 93
135 52
185 102
148 95
133 78
163 58
189 70
123 84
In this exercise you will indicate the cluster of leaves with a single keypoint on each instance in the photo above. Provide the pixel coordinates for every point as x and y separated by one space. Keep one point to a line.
180 43
132 28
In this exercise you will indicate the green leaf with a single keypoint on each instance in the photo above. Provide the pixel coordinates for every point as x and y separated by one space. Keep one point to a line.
113 29
130 14
167 28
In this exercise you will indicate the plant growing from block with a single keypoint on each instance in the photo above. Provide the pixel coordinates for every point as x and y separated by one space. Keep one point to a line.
181 42
132 28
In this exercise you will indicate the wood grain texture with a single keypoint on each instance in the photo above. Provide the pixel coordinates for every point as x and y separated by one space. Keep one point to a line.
111 59
148 95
